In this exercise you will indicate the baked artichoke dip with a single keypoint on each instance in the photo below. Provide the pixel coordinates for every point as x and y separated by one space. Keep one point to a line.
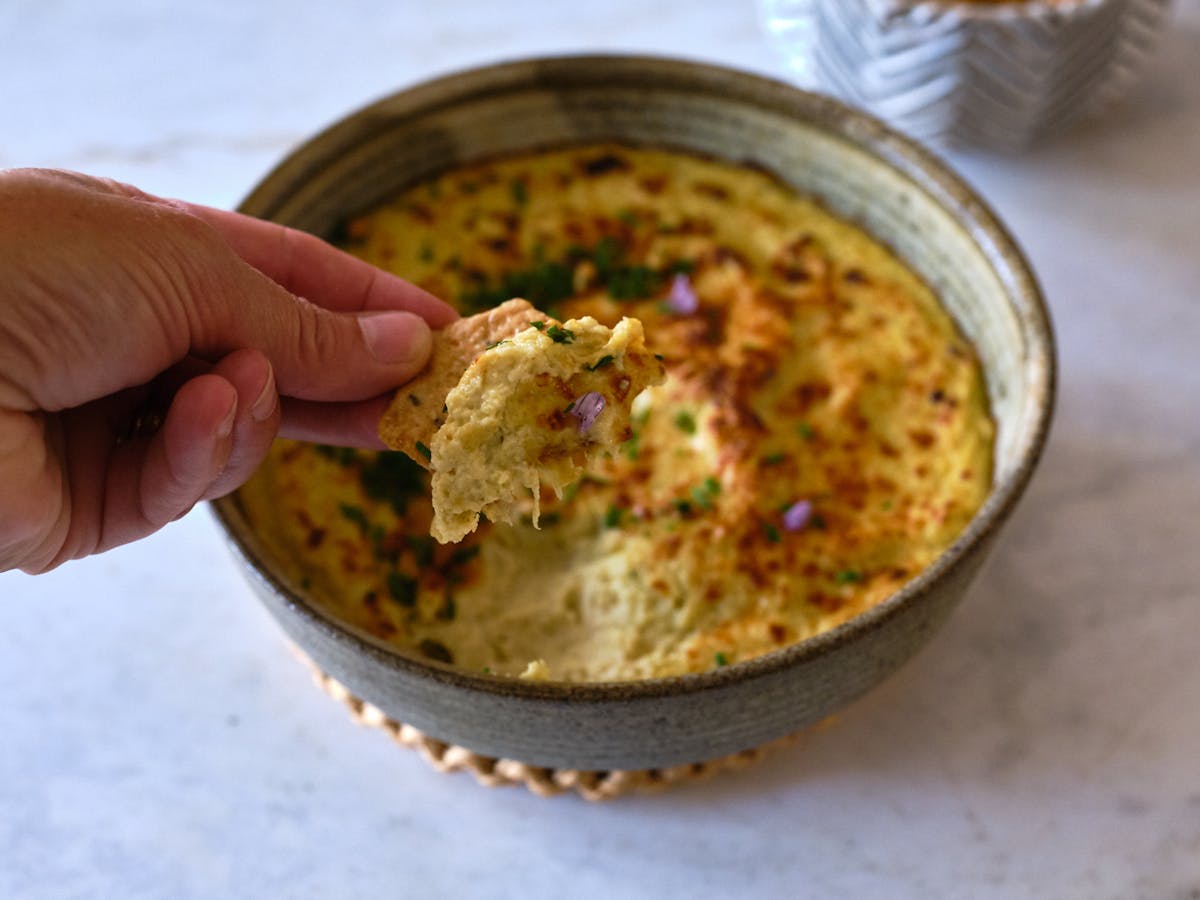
821 436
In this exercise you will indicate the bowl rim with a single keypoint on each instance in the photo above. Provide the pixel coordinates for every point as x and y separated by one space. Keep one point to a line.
904 155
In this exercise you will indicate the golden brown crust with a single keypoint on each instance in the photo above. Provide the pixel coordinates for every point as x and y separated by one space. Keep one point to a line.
822 436
416 410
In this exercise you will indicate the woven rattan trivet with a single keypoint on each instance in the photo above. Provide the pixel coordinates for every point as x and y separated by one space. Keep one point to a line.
492 772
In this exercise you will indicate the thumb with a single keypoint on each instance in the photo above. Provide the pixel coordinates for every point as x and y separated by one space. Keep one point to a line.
315 352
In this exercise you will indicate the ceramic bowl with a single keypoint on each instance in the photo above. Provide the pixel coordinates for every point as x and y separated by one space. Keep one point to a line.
1000 75
860 169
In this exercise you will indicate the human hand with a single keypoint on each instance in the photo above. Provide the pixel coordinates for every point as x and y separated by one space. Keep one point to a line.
118 308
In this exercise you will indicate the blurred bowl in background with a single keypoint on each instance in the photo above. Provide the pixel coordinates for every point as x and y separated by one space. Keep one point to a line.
1000 75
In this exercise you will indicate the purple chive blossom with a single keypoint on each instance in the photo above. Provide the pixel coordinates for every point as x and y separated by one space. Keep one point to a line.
797 516
587 408
682 298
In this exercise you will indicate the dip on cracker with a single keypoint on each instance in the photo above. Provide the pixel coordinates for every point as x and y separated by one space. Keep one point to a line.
511 401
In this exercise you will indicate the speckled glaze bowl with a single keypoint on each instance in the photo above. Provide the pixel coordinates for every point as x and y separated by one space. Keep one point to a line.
1001 75
860 169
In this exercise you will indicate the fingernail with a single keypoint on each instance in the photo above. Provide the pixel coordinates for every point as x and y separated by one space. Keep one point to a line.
225 428
264 405
395 337
223 446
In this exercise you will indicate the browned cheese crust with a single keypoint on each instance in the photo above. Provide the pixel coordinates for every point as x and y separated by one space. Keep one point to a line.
822 436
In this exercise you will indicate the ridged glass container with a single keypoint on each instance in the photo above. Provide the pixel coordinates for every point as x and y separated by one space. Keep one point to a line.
1000 75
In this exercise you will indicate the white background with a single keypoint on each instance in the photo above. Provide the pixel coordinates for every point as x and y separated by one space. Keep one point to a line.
158 740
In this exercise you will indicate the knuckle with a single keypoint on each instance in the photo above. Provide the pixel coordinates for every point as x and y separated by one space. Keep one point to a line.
321 346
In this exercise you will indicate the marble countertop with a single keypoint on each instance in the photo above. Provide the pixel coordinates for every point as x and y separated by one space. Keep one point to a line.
157 739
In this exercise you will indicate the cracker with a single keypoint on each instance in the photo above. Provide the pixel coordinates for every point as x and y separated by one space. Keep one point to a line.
416 410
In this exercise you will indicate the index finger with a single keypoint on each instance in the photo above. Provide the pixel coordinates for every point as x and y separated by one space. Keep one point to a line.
311 268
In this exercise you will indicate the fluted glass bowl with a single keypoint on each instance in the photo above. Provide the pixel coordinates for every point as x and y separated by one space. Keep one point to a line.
1001 75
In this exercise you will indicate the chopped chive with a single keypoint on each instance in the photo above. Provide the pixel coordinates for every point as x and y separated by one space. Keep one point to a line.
632 282
607 252
560 335
685 422
612 518
848 576
703 494
547 283
632 448
772 533
426 253
496 344
341 455
424 451
544 284
422 548
601 363
627 217
355 514
773 459
539 325
805 431
463 555
402 589
720 659
519 192
392 478
377 534
389 554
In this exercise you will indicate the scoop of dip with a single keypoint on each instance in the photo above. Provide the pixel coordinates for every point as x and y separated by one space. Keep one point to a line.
530 410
